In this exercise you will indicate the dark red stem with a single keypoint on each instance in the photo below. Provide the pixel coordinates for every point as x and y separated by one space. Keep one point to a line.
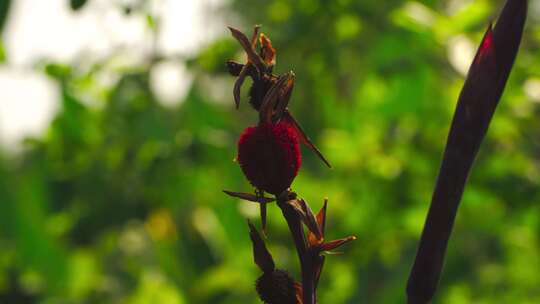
477 102
305 255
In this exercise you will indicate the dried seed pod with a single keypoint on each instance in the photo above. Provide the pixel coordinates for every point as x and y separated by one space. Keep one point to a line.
269 155
276 287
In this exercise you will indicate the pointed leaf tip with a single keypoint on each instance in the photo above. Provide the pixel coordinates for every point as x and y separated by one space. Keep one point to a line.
233 30
288 117
254 36
267 50
246 44
261 255
310 220
336 243
486 47
321 216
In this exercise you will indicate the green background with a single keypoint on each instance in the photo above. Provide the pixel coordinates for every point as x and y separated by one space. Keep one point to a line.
120 201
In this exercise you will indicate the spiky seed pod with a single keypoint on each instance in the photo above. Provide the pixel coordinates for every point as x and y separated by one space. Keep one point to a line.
276 287
269 155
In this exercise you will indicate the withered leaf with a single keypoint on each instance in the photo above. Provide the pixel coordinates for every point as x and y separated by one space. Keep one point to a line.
249 197
261 255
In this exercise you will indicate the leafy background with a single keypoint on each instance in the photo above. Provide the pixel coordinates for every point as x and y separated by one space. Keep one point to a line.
120 201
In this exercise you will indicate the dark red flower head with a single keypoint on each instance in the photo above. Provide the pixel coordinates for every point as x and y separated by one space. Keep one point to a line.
269 155
269 94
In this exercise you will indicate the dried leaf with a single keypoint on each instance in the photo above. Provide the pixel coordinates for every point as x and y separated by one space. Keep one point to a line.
284 95
321 222
318 268
253 57
296 205
254 36
336 243
249 197
310 220
306 215
287 116
271 98
268 53
238 84
261 255
299 293
313 240
321 216
234 68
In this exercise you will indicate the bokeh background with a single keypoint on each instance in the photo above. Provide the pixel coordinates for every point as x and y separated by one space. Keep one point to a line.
118 133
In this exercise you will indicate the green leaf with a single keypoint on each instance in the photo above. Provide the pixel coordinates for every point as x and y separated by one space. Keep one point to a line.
151 21
4 10
57 71
77 4
2 53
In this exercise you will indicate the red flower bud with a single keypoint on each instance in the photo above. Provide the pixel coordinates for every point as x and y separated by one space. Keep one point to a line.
269 155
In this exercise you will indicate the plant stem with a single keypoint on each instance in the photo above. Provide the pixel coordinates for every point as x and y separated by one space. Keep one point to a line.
304 254
479 97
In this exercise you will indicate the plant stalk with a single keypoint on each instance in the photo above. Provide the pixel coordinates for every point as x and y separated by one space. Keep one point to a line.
304 254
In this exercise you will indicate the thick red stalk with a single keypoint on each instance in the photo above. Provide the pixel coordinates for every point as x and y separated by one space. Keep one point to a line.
477 102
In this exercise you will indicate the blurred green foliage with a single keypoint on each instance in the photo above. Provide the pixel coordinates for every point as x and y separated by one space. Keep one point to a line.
121 202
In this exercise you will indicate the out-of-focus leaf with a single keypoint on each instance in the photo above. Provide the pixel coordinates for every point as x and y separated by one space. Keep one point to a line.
57 70
4 12
77 4
212 58
151 21
2 53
